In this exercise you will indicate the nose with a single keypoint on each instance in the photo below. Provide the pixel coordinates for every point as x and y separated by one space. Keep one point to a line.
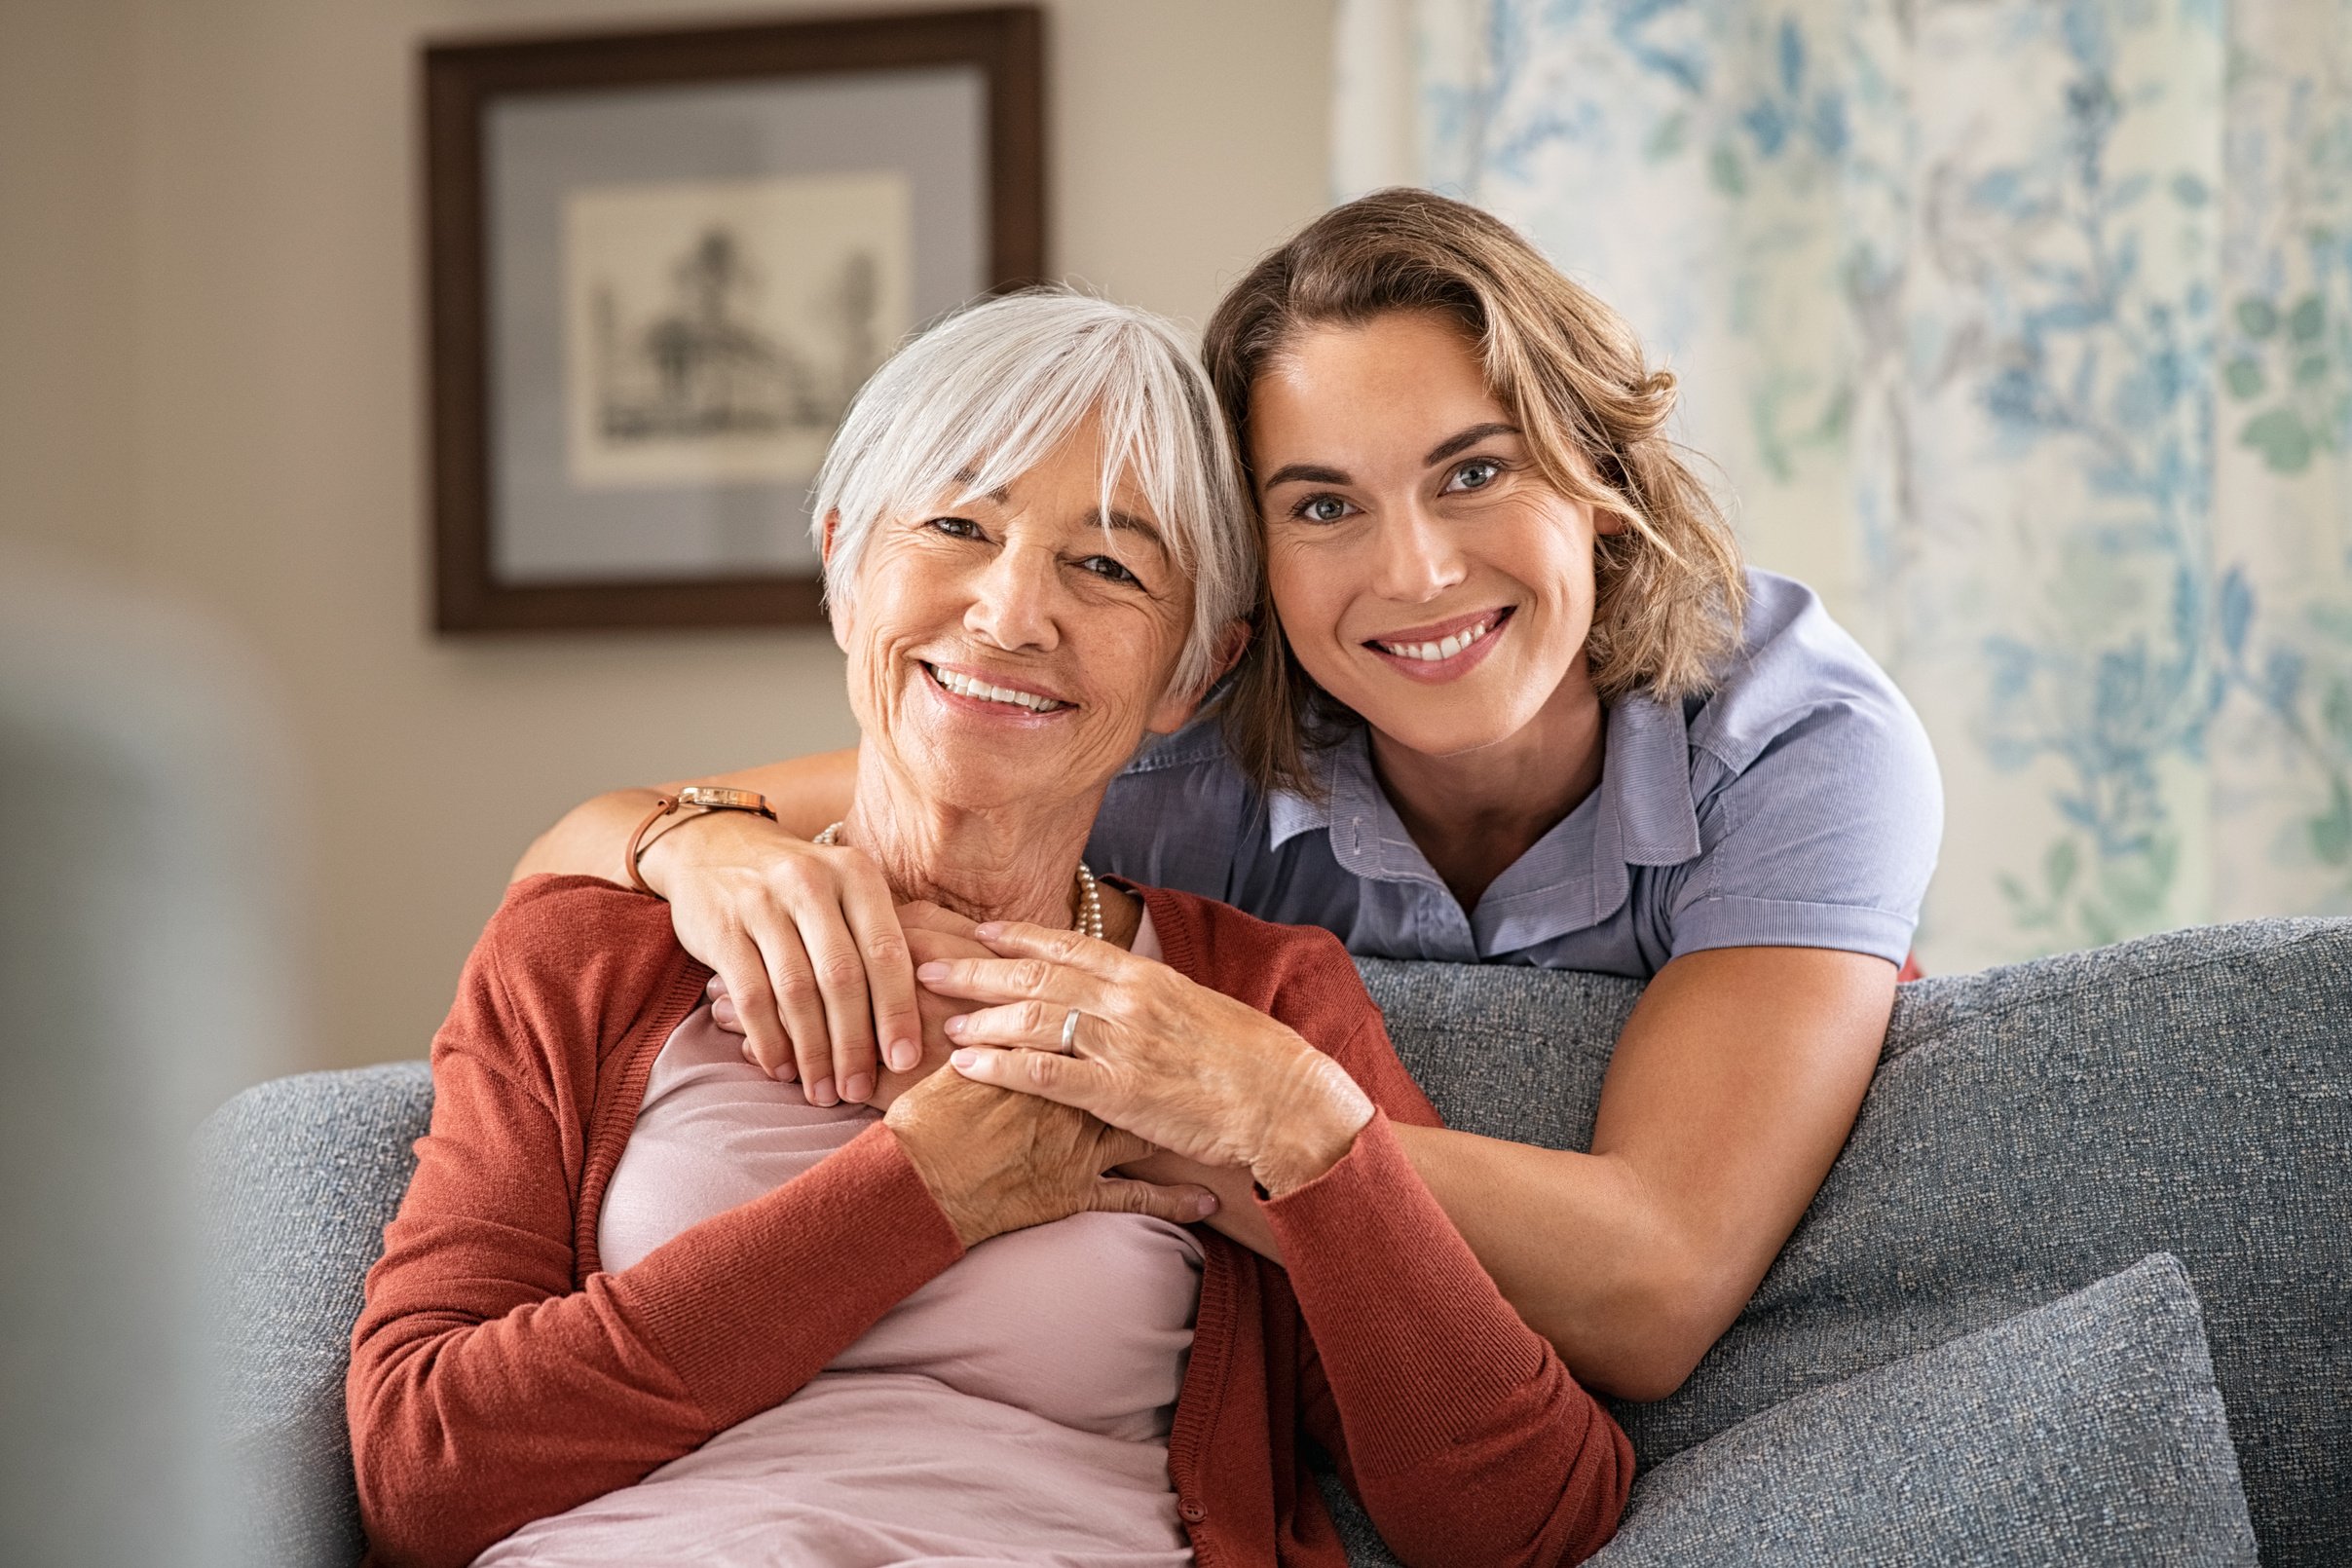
1013 601
1418 559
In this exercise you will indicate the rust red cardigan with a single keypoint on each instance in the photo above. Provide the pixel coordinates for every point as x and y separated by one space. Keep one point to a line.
499 1375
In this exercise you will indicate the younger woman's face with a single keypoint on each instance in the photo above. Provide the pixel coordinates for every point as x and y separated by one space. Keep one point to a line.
1425 574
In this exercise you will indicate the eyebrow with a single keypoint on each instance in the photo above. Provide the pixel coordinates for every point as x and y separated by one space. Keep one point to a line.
1127 522
1454 445
1315 474
1001 495
1311 473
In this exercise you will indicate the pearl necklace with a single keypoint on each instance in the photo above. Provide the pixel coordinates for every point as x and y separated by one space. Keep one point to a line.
1090 893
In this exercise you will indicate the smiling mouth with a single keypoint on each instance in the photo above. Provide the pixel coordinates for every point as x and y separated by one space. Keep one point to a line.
965 685
1446 647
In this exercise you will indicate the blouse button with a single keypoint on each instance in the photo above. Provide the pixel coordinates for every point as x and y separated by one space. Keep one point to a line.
1192 1511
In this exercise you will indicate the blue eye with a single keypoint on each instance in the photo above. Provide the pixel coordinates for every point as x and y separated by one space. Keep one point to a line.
1475 475
1321 510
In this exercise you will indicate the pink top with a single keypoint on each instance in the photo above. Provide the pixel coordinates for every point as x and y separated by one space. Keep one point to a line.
1015 1409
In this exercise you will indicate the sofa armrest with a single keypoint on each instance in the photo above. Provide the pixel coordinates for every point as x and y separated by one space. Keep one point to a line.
299 1177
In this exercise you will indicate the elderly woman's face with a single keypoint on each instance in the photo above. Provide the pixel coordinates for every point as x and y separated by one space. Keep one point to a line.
1011 649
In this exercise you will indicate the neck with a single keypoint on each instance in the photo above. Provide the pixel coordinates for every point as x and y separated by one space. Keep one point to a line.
1474 812
1017 863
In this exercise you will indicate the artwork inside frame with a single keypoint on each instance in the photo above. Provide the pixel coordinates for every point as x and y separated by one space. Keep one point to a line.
662 262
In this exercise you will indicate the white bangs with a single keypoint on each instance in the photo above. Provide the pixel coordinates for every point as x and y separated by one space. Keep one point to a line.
984 396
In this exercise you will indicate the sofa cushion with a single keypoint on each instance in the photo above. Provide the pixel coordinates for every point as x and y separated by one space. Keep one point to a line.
301 1175
2032 1129
2086 1430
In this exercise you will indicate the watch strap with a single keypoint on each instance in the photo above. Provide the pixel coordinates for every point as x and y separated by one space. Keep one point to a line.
702 799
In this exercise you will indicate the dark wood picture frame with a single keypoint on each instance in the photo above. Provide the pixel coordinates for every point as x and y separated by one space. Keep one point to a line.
461 79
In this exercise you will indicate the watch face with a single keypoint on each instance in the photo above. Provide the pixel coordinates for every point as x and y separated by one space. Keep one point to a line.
719 795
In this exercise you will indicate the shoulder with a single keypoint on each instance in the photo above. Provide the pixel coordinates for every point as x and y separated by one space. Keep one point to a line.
575 925
1198 751
1817 804
1179 815
1798 671
567 960
1806 728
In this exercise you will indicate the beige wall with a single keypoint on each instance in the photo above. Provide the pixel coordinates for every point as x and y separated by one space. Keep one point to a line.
209 383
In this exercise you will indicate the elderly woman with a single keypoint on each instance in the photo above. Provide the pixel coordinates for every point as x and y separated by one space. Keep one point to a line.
644 1302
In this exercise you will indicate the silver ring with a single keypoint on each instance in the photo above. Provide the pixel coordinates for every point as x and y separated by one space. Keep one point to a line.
1070 1031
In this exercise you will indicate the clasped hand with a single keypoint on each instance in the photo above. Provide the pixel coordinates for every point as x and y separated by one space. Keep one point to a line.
1190 1069
996 1161
1163 1078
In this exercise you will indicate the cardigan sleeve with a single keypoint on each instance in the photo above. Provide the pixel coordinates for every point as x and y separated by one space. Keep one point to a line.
1459 1427
486 1389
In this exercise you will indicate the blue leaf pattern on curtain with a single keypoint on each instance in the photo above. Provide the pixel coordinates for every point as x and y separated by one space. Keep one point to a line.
2021 331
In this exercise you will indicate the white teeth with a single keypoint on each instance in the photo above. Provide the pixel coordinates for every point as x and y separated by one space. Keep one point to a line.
964 686
1432 652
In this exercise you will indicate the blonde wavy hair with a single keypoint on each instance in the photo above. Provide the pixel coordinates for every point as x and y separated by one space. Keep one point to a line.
1670 590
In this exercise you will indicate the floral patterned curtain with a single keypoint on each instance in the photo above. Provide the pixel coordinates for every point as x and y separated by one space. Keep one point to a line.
2023 330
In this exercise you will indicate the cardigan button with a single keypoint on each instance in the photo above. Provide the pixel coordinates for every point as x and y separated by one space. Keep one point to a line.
1192 1510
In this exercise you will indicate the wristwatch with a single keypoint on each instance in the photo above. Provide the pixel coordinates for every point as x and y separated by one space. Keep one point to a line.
702 798
721 797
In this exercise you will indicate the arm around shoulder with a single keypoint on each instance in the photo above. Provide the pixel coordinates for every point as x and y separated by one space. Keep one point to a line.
592 839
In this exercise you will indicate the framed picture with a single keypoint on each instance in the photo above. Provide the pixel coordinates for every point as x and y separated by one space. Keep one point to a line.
661 263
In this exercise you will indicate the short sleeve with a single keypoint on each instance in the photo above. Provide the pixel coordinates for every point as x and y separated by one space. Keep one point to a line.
1824 838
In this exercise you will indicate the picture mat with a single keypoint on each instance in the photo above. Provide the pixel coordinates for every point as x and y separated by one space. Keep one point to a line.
716 329
928 125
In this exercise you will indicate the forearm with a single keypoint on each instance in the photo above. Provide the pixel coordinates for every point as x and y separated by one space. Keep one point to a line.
591 840
1584 1252
480 1403
1461 1430
1730 1091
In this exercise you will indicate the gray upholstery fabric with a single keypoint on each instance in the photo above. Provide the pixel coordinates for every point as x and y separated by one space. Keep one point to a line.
301 1175
2032 1129
2086 1430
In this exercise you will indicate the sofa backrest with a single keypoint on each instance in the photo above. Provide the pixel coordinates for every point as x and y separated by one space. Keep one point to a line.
2032 1129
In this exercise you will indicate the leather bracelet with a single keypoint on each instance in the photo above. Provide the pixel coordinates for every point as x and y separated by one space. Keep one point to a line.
708 798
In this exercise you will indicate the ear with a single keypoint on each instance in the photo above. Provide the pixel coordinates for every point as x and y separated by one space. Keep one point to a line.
836 611
1231 644
1604 521
1175 710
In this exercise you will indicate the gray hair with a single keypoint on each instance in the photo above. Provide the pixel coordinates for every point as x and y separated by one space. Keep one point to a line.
983 395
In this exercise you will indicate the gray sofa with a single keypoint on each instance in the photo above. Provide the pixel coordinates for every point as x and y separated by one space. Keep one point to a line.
2077 1290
